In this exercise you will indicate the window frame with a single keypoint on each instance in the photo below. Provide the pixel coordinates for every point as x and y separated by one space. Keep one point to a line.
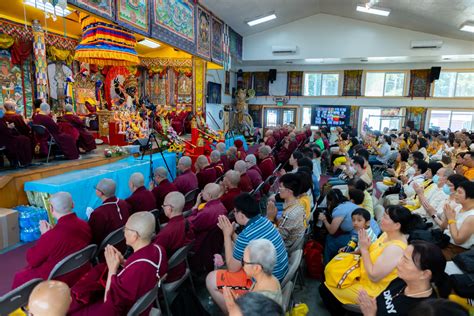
430 111
325 72
456 71
405 83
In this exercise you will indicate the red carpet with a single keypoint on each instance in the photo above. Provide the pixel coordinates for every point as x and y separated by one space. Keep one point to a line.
10 263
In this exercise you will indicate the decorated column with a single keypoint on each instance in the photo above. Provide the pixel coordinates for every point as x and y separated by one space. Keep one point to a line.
41 65
199 71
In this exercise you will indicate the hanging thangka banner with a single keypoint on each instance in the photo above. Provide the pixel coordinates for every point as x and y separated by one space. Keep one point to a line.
235 43
184 86
261 83
247 82
419 83
294 86
352 83
216 43
203 33
103 8
133 14
173 23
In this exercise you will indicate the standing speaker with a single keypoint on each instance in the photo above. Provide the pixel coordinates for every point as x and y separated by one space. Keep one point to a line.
272 75
434 73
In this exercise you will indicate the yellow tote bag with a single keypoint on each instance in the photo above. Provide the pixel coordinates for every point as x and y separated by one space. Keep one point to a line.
342 270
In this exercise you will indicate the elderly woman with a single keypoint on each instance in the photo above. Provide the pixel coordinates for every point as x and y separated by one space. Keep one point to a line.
421 266
258 263
291 223
18 147
378 260
460 225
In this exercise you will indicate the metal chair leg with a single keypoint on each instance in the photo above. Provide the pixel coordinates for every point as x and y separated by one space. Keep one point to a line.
49 151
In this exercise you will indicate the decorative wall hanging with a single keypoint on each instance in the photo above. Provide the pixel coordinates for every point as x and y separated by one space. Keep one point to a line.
247 81
227 83
235 44
217 41
57 75
294 85
354 115
352 83
214 92
10 80
226 48
103 8
420 83
261 83
105 44
203 33
39 48
21 51
133 14
417 115
173 23
27 70
184 86
165 62
6 41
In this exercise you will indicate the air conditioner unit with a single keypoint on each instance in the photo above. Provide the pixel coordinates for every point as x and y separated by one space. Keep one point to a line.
426 44
284 49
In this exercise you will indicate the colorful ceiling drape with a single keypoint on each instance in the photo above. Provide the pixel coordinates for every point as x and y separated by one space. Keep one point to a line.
105 44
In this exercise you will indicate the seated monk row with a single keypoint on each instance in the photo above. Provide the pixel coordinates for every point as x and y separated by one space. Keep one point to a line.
84 139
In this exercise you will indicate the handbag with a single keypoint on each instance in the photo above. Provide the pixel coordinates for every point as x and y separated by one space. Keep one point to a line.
465 261
342 271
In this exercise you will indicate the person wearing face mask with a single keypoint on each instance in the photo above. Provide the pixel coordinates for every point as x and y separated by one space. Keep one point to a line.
18 147
460 225
432 200
401 168
418 177
426 187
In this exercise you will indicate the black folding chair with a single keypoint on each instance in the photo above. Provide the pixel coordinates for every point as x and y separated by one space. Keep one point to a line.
73 262
144 302
114 238
41 131
18 297
191 196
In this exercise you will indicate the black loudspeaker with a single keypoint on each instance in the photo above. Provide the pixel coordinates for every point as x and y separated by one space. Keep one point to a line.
434 73
272 75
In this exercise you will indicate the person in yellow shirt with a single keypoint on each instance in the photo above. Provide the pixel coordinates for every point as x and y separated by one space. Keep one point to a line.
468 163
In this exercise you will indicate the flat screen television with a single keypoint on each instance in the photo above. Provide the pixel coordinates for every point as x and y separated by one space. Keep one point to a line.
325 115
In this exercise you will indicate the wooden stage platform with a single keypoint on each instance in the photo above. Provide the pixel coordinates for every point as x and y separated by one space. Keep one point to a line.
12 191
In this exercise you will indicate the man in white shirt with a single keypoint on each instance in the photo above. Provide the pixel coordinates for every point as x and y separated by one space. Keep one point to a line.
420 167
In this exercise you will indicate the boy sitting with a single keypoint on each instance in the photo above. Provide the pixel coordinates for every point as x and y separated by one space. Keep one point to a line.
360 220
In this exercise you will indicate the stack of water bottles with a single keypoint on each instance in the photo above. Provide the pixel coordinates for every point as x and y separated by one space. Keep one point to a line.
29 218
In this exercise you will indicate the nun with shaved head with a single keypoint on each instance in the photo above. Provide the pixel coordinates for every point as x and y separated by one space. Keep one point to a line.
141 199
127 280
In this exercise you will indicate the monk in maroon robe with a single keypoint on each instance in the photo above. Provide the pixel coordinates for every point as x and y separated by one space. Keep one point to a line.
18 147
176 234
253 171
12 117
245 184
86 140
187 180
232 157
141 199
241 154
204 172
163 188
216 163
65 141
69 235
266 165
127 280
177 121
205 220
230 187
111 215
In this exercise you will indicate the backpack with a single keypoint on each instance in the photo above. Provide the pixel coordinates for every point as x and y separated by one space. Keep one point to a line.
434 236
313 254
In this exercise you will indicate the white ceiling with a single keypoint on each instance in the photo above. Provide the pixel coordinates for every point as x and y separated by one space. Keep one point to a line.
439 17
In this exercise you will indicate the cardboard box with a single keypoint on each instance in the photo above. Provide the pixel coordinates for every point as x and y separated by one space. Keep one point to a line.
9 228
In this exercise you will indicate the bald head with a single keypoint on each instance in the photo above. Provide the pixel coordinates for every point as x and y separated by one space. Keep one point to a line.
265 150
161 173
50 298
215 156
251 160
176 200
10 105
232 179
269 132
213 190
106 187
184 163
44 107
221 147
144 224
292 136
232 150
68 107
240 166
201 162
61 203
136 181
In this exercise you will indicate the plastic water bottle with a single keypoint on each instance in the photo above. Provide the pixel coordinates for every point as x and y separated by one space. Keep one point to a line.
352 244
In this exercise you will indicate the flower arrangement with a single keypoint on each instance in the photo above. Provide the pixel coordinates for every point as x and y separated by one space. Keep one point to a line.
115 151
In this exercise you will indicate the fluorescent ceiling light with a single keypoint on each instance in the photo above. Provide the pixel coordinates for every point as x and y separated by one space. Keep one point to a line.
49 7
467 27
262 20
394 58
373 10
314 60
322 60
146 42
457 57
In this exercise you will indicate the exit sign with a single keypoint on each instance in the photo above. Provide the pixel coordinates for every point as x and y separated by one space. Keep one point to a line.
280 103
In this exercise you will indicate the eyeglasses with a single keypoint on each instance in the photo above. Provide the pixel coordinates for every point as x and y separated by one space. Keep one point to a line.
165 205
132 230
246 263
